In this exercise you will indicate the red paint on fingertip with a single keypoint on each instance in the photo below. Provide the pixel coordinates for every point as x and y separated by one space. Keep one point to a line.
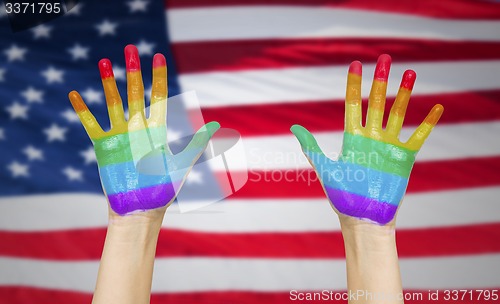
105 68
159 61
408 80
356 68
132 61
383 67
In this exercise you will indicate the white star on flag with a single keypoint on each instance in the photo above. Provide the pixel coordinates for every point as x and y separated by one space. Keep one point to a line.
2 75
137 6
89 155
55 133
52 75
33 153
17 110
79 52
92 96
119 72
70 116
33 95
106 28
145 48
18 169
15 53
73 174
41 31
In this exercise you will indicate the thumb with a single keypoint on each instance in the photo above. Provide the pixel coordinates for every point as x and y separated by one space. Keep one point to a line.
201 138
306 139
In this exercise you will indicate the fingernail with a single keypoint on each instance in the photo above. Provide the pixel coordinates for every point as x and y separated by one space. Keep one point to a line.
408 79
212 127
383 67
435 114
132 61
105 68
356 68
301 134
159 61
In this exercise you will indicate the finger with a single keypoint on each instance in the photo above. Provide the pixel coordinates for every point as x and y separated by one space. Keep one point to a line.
376 101
88 120
135 87
398 110
420 135
113 99
199 141
353 98
159 93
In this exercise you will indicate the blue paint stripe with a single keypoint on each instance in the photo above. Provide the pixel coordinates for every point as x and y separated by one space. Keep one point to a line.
360 180
123 177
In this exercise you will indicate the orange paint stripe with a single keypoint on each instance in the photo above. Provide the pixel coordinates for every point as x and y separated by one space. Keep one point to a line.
434 115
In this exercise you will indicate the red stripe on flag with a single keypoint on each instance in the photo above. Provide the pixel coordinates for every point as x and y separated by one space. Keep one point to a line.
31 295
237 55
87 244
426 176
27 295
453 9
273 119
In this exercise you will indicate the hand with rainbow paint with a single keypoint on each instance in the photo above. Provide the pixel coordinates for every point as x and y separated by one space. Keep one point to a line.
131 150
369 179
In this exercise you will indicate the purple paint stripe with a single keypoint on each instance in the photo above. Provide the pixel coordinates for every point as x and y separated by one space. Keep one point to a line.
361 207
142 199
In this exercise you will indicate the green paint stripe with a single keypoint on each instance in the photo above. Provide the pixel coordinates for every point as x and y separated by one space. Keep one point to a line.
117 148
377 155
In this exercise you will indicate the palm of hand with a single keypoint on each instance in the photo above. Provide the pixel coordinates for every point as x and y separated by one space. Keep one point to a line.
369 179
137 169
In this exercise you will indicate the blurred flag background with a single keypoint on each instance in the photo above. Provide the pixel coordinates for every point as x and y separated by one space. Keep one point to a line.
258 67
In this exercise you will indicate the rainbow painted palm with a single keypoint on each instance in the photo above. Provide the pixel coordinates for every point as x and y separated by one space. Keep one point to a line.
137 169
369 179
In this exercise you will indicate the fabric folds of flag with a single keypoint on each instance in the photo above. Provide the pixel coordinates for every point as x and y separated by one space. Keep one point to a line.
257 67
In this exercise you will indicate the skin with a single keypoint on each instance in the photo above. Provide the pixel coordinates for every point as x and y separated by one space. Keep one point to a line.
140 176
367 183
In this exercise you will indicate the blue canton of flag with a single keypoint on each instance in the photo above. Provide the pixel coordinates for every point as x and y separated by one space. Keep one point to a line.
44 147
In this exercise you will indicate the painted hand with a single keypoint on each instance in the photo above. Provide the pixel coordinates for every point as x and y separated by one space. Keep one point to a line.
369 179
137 169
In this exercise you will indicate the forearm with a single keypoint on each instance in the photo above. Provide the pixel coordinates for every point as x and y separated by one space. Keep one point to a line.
126 268
372 262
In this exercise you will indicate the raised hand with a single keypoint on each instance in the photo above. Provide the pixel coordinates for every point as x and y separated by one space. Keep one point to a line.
137 169
369 179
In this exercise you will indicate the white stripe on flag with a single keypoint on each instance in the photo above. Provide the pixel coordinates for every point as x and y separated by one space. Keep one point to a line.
266 86
447 142
223 274
265 22
420 210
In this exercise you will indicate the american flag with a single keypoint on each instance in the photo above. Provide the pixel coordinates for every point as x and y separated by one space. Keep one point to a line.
258 67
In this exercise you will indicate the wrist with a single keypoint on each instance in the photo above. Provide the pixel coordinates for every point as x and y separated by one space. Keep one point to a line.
151 217
350 224
137 228
365 236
